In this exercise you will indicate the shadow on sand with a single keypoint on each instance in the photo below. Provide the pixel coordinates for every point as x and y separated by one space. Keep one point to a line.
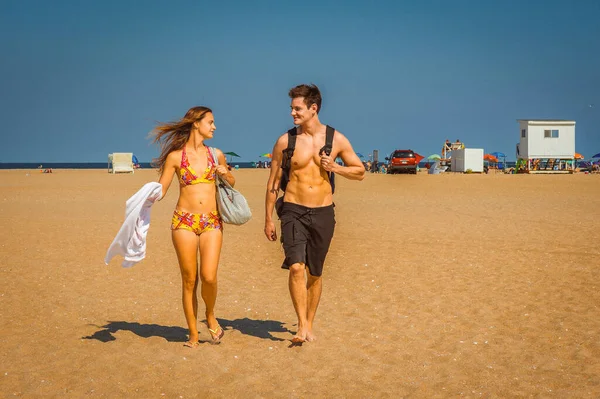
171 334
256 328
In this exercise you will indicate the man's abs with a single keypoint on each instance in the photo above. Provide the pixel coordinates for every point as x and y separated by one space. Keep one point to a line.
309 187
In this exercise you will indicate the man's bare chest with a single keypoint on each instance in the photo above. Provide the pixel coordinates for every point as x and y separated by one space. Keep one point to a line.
307 153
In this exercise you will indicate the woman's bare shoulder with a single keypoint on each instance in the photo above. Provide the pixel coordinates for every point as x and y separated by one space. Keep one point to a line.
174 157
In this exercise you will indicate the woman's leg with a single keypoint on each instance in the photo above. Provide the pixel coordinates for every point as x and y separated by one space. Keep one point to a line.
210 251
186 247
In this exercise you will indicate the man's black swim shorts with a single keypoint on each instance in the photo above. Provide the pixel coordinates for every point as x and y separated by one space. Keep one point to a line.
306 234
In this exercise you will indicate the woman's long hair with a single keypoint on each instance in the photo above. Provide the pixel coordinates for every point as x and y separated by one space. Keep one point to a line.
172 136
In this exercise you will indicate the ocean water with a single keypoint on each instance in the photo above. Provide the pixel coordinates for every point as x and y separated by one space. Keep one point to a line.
88 165
144 165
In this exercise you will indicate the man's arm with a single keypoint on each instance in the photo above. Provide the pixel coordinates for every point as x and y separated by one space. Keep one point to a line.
353 168
273 186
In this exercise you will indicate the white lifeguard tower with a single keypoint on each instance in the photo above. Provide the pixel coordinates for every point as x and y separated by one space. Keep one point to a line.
546 146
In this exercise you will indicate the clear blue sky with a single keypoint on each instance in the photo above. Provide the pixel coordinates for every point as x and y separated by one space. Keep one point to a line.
81 79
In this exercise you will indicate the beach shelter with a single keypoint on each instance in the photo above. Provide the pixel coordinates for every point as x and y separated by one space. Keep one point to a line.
434 157
266 155
120 162
231 155
499 155
436 168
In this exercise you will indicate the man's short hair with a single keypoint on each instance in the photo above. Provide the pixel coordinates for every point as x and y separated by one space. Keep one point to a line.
311 95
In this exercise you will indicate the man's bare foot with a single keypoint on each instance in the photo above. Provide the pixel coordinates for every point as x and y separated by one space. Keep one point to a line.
300 337
310 337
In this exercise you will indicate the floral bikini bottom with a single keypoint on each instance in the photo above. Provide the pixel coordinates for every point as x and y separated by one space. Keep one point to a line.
196 222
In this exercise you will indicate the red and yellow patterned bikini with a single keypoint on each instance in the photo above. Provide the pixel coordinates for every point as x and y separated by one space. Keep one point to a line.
196 222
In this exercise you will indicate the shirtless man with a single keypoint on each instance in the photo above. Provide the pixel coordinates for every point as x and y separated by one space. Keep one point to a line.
306 212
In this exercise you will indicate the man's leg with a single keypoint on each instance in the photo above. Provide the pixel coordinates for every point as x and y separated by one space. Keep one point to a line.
297 286
314 286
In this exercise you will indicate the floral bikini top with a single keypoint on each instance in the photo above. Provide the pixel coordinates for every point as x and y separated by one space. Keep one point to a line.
187 175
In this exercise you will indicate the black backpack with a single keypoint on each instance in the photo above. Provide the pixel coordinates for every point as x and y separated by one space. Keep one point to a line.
286 162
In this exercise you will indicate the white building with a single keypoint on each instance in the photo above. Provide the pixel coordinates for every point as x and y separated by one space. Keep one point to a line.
467 159
546 146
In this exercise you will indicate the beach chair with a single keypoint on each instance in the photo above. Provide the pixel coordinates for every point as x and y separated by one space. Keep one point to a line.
120 162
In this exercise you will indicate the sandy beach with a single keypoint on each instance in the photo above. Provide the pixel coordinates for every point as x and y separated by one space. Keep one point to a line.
435 286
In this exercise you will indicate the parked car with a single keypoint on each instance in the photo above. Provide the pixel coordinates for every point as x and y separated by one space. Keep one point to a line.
402 161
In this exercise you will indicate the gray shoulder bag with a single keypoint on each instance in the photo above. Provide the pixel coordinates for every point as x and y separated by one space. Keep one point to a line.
232 205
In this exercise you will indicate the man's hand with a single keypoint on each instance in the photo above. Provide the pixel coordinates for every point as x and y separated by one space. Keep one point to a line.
270 231
327 163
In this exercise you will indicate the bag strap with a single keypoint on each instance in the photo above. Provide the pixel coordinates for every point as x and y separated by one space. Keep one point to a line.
288 153
213 154
328 147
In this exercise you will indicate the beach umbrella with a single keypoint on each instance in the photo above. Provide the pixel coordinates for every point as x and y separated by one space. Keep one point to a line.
434 157
266 155
490 158
597 155
360 155
418 157
231 155
578 156
498 154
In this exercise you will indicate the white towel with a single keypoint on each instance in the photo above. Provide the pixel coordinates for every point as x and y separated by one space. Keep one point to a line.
130 241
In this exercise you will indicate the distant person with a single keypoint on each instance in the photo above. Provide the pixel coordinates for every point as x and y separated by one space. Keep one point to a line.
306 209
374 167
197 227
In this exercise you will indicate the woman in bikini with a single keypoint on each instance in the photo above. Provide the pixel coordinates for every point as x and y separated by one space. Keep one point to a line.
196 226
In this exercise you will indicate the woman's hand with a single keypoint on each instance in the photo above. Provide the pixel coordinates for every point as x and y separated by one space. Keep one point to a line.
222 170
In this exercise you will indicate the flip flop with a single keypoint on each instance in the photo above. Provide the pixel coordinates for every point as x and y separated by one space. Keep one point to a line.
190 344
216 335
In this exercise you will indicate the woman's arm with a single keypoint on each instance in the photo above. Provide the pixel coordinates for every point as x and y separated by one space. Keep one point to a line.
223 169
168 172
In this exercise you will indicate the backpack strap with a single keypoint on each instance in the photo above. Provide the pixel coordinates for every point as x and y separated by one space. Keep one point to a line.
288 153
286 161
328 147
